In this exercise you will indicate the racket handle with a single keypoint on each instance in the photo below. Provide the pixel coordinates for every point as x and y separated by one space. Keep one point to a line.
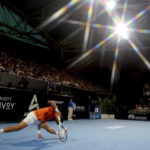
60 125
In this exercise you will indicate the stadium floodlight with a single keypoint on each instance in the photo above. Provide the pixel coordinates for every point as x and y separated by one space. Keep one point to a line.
110 4
121 30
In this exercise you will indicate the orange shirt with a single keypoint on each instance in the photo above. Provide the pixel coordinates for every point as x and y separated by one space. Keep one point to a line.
45 114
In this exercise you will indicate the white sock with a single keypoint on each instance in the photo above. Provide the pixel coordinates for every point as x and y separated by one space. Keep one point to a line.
1 130
57 132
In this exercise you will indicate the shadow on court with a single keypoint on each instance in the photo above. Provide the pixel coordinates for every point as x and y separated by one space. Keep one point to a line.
35 144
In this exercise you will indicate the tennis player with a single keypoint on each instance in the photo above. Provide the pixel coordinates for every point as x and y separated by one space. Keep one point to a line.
39 118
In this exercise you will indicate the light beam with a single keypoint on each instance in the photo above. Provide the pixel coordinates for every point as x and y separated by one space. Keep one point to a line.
146 62
140 14
87 30
58 14
115 62
92 49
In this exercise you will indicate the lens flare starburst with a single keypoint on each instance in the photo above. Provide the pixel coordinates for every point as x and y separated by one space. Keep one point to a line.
121 29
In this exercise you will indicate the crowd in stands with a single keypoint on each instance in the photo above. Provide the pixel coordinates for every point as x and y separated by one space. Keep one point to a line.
23 67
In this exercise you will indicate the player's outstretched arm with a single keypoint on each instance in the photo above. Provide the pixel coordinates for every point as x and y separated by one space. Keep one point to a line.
53 104
47 128
39 132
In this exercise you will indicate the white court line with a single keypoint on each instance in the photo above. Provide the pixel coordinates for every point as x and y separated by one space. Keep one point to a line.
115 127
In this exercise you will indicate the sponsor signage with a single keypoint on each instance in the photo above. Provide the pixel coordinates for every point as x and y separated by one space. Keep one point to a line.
6 103
16 104
137 117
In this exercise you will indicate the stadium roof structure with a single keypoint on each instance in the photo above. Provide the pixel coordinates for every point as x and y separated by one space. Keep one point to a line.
84 32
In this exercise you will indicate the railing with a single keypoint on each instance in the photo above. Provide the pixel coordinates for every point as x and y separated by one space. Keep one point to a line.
13 81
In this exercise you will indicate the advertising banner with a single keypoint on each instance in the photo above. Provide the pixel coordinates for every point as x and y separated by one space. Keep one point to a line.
16 104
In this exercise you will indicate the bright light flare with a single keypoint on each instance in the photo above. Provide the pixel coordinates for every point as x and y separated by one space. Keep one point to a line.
107 6
110 5
122 30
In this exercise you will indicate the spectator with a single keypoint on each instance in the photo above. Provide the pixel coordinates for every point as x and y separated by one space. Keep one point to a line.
70 109
2 69
23 67
92 107
22 84
52 86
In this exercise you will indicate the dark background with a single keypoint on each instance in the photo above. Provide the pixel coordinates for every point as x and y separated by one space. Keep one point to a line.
132 73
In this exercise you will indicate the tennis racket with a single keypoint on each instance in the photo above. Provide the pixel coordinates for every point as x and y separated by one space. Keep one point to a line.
62 132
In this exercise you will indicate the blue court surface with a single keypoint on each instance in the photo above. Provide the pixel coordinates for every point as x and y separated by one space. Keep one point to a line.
103 134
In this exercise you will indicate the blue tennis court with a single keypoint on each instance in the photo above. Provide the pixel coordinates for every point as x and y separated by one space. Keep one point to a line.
103 134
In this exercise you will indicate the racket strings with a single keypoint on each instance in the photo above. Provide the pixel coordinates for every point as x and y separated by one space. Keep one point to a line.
62 134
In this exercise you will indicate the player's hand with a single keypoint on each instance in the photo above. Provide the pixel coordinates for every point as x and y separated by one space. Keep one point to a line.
40 136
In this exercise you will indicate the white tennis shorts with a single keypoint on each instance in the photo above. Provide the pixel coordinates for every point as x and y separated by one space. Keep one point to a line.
31 119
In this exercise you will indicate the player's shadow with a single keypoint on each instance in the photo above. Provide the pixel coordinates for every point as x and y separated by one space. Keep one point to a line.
36 144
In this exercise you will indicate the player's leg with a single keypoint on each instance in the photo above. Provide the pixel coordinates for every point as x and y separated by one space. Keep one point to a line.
18 127
90 115
93 115
30 119
70 112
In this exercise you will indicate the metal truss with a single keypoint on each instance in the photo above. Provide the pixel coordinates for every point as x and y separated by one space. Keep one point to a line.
12 25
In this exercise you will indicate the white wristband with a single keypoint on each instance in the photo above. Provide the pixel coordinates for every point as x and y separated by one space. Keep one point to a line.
39 132
56 110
